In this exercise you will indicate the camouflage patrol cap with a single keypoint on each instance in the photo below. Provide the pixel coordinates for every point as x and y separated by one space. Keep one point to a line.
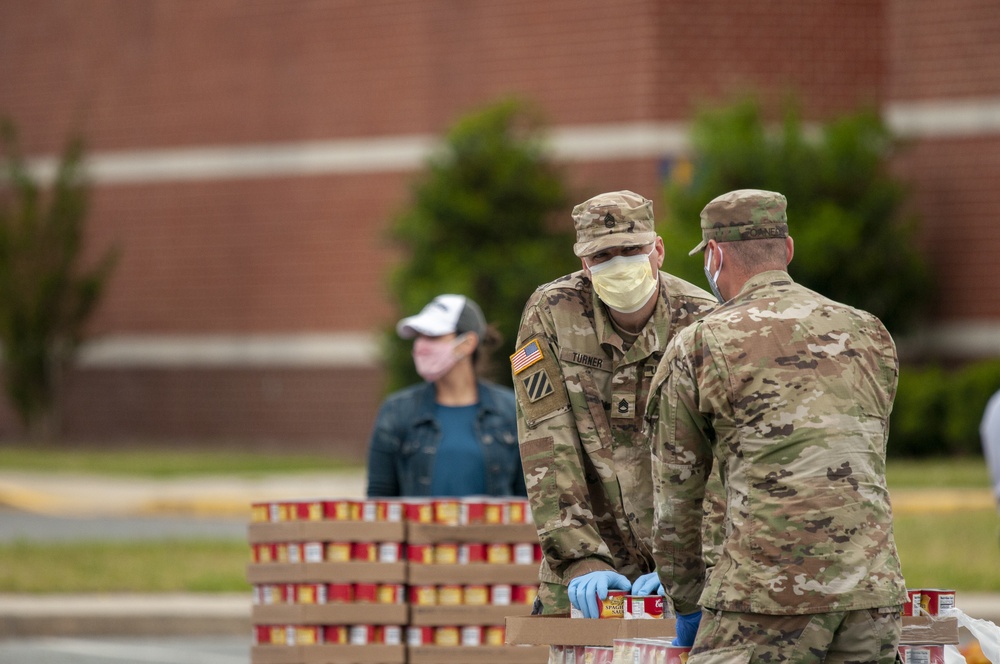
615 219
744 214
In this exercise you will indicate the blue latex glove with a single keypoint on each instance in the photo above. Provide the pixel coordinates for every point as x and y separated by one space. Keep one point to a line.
647 584
687 629
584 590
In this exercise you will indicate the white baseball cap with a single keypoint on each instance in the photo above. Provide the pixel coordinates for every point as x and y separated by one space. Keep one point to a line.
445 314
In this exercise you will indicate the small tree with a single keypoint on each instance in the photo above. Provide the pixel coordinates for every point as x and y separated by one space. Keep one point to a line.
45 297
853 242
481 224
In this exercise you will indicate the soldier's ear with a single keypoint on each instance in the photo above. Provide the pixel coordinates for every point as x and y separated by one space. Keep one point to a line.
789 249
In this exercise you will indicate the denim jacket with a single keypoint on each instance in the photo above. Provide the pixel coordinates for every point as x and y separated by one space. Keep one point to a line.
406 437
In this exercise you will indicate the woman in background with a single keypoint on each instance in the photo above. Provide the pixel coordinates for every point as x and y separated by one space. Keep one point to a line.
455 434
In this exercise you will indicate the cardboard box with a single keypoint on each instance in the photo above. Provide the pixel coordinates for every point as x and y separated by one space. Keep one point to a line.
326 531
472 573
929 630
466 615
331 614
562 630
323 654
349 572
484 654
430 533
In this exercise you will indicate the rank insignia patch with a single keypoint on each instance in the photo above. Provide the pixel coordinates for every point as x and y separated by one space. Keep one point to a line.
528 354
537 385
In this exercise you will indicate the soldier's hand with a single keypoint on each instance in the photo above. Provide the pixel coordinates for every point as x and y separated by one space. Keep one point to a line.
585 590
647 584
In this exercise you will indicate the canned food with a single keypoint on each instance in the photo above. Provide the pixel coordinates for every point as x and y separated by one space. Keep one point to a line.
278 635
418 510
600 655
498 553
934 600
643 606
274 593
500 594
912 606
260 512
496 511
524 594
312 552
390 552
308 635
420 553
423 595
538 553
446 512
519 512
281 552
475 595
391 593
338 552
446 636
922 654
449 595
311 510
389 510
419 635
611 607
261 635
364 551
276 512
390 635
310 593
265 553
369 510
472 512
361 635
471 635
494 635
366 592
339 592
471 553
446 553
335 634
337 510
523 554
293 552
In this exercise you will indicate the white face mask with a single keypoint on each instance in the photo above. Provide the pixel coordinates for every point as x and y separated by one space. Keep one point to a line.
713 279
625 283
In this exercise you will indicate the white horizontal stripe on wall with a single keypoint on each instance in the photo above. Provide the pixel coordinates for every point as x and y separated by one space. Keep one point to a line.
956 118
338 351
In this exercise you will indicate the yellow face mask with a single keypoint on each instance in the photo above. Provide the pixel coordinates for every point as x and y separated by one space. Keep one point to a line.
624 283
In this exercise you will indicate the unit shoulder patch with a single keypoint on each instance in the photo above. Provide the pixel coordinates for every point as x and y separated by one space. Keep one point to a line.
541 391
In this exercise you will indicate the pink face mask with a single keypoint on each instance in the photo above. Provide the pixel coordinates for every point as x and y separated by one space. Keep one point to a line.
434 358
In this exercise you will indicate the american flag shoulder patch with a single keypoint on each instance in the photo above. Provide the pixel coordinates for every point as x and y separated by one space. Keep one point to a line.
527 355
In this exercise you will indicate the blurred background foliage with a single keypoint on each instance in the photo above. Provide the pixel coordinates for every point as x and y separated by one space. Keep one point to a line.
854 241
482 222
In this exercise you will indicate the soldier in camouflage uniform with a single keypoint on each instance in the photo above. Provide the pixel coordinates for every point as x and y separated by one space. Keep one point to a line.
789 393
585 358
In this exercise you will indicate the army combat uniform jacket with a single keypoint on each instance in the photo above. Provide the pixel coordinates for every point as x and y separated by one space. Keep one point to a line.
790 394
581 398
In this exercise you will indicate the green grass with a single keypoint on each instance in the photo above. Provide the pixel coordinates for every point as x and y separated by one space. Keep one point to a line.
159 462
98 567
959 550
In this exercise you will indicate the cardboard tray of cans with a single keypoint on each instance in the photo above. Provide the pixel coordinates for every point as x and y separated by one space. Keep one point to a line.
475 573
431 533
919 630
485 654
330 614
323 654
346 572
466 615
303 531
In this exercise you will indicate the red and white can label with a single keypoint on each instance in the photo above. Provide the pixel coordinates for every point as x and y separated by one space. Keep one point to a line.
366 592
364 552
643 606
922 654
472 635
337 510
472 512
501 594
369 510
391 593
335 634
312 552
419 635
310 593
524 594
390 552
418 511
471 553
524 553
420 553
261 635
935 600
390 635
912 606
339 592
361 635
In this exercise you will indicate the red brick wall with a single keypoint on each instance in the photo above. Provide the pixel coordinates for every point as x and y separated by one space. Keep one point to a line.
289 255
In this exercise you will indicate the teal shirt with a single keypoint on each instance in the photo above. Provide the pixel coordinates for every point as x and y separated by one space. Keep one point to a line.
459 465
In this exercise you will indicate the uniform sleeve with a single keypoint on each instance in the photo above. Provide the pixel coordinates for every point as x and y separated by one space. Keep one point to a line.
681 463
551 456
383 449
